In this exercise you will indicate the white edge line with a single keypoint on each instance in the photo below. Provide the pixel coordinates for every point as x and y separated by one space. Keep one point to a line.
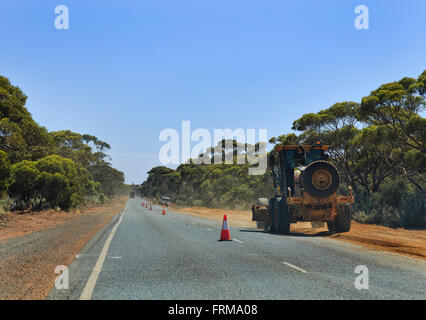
294 267
91 282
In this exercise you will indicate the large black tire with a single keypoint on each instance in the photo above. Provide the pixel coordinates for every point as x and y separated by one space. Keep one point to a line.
344 218
261 224
342 221
330 226
331 173
263 202
271 208
281 217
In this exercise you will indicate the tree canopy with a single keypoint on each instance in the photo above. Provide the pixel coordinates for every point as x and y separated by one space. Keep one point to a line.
42 169
378 145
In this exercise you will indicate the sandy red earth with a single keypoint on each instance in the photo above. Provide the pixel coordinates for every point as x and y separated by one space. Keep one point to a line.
400 241
33 244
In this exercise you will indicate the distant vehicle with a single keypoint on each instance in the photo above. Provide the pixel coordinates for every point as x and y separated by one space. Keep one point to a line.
165 201
132 194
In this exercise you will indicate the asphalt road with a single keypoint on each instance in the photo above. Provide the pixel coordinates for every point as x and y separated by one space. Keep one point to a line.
176 256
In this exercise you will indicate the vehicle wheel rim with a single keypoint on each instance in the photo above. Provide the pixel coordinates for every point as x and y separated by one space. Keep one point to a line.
276 214
322 179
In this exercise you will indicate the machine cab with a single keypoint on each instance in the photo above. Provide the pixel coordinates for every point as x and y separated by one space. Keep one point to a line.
287 161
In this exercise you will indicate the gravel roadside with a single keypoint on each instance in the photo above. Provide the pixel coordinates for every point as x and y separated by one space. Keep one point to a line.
28 261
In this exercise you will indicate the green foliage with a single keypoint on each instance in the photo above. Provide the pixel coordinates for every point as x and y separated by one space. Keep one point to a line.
53 180
6 204
20 136
4 173
397 105
110 179
77 147
378 146
290 138
102 198
44 169
379 149
211 185
396 204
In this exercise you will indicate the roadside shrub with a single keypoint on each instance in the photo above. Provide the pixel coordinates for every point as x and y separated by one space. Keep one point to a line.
413 209
90 201
197 203
39 202
359 216
6 204
92 188
102 198
395 204
386 215
2 210
4 173
53 181
23 182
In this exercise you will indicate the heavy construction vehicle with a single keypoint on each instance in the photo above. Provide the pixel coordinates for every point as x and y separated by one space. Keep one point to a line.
305 188
165 201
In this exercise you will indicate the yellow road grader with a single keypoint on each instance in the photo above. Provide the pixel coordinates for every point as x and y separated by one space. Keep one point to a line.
305 188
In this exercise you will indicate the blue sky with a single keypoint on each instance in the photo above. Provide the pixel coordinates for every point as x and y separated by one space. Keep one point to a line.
125 69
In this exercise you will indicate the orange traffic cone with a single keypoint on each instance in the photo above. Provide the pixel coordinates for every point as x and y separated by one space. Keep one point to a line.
164 210
225 234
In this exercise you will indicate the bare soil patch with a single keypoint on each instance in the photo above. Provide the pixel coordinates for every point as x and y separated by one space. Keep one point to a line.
33 244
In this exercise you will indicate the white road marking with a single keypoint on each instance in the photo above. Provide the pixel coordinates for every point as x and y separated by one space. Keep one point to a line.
209 229
91 282
294 267
237 240
83 255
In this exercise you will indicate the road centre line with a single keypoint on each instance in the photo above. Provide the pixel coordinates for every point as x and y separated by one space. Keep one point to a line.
294 267
87 255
